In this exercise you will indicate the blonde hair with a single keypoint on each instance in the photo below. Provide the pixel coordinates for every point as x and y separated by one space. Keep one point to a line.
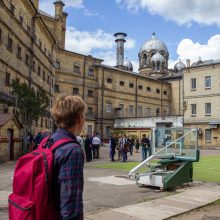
67 110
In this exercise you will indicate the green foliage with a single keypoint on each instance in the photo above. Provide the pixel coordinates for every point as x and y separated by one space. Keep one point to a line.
30 104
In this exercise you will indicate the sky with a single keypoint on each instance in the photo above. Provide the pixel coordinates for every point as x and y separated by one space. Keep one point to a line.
189 28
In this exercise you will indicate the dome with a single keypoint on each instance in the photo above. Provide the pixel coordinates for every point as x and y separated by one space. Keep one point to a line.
157 58
154 44
179 66
128 64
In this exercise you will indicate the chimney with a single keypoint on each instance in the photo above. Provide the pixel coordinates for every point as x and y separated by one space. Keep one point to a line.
120 40
58 8
188 63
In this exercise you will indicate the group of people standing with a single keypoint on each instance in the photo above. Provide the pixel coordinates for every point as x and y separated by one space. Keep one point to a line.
91 145
124 145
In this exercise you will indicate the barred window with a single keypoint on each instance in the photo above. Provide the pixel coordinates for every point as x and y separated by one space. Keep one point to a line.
208 135
193 109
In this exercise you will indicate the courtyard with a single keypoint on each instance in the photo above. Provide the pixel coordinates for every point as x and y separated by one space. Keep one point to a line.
108 194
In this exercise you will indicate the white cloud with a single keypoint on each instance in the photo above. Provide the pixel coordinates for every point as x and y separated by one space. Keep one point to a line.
181 11
85 42
187 49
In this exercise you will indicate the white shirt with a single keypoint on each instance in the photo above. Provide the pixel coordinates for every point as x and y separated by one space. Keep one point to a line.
96 141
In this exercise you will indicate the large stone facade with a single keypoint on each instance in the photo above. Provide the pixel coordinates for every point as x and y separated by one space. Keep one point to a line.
32 50
202 102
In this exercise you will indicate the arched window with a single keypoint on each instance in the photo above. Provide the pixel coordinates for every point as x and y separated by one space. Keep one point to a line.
144 60
158 66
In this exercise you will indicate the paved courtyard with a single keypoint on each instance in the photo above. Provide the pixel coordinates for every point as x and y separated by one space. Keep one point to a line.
109 195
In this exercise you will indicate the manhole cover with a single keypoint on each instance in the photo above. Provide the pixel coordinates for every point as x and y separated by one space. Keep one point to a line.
124 177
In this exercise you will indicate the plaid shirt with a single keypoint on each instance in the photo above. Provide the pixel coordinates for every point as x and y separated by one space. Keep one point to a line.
68 169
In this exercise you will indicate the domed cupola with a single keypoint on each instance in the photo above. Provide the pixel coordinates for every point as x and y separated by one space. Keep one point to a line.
179 66
151 53
128 65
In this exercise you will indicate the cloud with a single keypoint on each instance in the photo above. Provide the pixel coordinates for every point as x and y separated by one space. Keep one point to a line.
183 12
47 6
187 49
86 42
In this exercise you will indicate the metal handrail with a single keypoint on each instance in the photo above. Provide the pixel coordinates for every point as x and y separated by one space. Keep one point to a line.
135 169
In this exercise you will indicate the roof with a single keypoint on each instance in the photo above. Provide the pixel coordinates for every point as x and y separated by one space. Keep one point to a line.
131 73
5 117
45 14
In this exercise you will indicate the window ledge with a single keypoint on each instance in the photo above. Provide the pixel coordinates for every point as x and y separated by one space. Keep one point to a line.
193 115
207 88
207 114
192 89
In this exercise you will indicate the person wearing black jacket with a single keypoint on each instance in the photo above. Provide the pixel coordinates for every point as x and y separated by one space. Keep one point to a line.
88 148
145 143
113 144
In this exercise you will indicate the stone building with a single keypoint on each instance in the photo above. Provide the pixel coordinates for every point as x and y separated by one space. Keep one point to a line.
202 101
32 50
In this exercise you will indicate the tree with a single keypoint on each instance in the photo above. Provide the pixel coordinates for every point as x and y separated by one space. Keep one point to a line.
30 105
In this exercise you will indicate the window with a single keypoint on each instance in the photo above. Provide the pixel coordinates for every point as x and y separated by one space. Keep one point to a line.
131 110
90 111
76 69
131 85
148 113
158 112
107 131
140 87
10 43
109 80
109 107
193 84
208 82
12 8
39 71
165 92
57 65
91 72
28 28
0 34
90 93
208 109
7 79
89 129
27 59
121 83
208 135
48 79
148 89
19 52
45 123
34 66
41 122
158 91
44 75
57 88
75 91
193 109
40 44
21 19
139 111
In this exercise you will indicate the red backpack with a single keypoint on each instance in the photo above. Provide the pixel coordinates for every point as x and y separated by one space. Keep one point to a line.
31 198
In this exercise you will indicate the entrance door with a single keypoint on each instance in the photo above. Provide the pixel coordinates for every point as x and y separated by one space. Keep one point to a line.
11 144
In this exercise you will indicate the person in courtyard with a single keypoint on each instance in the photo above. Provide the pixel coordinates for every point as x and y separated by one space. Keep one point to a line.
137 145
122 144
68 114
145 143
88 148
96 141
130 146
112 146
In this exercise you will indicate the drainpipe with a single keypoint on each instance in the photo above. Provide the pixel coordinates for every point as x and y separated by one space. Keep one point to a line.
136 97
84 77
102 110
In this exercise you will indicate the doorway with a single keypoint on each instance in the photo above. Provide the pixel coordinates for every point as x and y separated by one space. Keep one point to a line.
10 137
